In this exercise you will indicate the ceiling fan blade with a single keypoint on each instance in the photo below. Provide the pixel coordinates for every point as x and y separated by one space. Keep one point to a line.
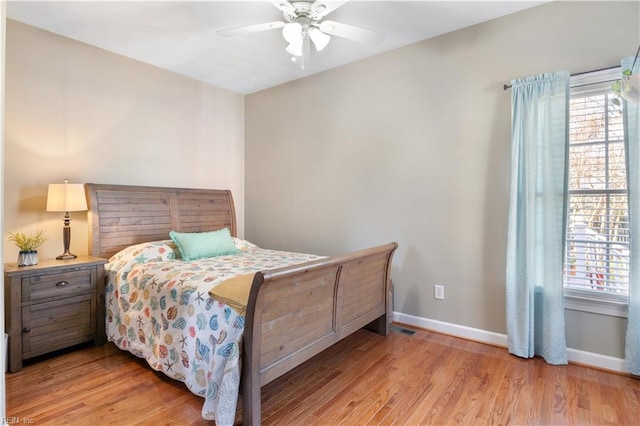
320 8
251 29
283 5
351 32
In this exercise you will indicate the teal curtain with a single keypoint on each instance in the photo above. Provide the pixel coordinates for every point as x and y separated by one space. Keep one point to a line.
535 239
632 146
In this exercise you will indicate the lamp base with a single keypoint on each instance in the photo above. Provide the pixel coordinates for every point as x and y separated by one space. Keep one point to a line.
66 256
66 237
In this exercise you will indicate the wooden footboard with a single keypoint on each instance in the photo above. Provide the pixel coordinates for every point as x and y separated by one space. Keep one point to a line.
295 313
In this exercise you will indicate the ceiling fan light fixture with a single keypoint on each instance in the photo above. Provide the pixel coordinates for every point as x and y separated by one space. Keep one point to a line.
292 32
295 48
320 39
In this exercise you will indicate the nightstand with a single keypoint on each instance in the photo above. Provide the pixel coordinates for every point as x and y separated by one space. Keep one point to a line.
53 305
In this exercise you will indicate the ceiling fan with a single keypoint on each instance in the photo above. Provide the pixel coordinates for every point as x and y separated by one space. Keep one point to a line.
303 24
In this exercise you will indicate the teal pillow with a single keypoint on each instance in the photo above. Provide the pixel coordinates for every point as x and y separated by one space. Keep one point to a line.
200 245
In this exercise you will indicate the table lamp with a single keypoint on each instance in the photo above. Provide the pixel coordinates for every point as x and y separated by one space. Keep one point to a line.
66 197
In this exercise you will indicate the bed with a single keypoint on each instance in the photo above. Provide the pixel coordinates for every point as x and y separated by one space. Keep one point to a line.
298 305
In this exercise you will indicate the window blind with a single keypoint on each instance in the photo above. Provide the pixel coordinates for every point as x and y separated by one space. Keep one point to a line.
597 240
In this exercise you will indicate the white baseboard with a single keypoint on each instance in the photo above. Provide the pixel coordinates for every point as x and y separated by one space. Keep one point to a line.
591 359
574 355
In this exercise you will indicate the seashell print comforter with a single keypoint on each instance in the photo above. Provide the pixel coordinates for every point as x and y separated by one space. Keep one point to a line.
159 309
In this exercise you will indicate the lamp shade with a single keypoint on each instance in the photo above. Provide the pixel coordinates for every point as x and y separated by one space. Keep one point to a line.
66 197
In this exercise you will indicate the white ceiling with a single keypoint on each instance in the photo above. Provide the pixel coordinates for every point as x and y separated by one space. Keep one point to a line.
180 36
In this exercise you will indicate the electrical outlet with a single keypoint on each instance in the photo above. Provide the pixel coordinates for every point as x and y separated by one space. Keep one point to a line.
438 292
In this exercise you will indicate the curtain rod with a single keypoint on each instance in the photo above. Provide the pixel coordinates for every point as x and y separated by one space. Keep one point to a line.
508 86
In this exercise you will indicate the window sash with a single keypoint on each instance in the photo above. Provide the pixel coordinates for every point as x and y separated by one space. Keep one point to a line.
596 265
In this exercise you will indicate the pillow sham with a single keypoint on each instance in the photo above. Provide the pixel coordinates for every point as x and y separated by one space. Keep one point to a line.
154 251
200 245
244 245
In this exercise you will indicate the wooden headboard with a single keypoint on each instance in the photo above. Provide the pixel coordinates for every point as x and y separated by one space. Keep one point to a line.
122 215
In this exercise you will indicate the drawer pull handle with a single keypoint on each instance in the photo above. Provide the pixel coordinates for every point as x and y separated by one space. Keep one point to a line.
62 283
26 330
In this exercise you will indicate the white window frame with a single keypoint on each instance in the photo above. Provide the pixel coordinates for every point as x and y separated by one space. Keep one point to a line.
581 300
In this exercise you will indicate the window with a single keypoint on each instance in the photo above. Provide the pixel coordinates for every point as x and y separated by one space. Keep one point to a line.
596 276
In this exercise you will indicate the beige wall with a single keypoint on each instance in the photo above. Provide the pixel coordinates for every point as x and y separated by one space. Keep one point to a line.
414 146
75 111
411 145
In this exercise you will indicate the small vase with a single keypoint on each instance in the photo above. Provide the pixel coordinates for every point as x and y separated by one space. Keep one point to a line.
28 258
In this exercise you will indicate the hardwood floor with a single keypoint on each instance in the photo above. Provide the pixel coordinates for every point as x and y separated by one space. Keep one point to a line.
425 378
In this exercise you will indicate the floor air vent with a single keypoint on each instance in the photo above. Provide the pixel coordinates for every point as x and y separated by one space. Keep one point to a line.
402 330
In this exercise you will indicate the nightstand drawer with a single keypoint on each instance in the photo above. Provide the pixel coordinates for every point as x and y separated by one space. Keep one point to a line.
54 325
56 286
